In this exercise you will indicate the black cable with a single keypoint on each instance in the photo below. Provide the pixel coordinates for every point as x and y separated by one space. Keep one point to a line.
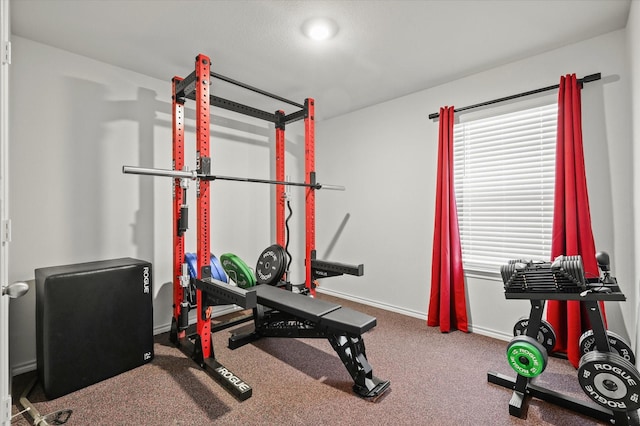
286 246
602 288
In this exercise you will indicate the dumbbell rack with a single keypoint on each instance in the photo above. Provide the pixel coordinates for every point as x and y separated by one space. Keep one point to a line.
522 386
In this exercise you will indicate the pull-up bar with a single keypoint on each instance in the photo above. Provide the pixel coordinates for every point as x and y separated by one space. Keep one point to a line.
254 89
194 175
187 89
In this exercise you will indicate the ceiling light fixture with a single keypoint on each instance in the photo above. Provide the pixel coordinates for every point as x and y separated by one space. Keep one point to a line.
320 29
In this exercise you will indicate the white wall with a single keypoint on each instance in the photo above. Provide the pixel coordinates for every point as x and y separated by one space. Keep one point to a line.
633 38
74 123
386 155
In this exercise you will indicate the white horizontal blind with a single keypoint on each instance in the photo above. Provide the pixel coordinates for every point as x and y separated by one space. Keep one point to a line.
504 171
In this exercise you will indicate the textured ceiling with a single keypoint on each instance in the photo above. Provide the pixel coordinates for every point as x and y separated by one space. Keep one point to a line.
383 50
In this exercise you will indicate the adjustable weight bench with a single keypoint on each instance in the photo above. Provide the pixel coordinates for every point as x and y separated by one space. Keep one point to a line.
281 313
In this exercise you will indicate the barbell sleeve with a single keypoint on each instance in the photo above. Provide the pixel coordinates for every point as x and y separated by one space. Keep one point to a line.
160 172
331 187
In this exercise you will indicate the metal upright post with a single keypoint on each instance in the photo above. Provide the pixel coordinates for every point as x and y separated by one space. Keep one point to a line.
280 176
203 164
178 201
310 196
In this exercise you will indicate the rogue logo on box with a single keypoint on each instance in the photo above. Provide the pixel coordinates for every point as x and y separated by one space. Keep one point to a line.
146 280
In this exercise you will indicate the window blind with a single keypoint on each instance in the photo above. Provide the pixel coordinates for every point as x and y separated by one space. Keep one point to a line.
504 173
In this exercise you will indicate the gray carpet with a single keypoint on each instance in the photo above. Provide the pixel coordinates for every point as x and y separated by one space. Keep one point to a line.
436 379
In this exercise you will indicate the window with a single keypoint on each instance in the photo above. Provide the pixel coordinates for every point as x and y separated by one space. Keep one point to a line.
504 171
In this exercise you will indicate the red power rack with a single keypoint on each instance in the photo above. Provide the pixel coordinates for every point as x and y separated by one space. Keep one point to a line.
197 87
201 290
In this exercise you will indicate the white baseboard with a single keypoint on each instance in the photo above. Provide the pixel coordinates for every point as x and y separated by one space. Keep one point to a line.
415 314
490 333
375 304
224 310
24 367
217 312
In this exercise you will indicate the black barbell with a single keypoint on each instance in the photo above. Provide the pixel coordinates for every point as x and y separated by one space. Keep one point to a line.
194 175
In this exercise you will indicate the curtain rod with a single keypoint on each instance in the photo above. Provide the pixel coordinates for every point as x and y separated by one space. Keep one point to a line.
586 79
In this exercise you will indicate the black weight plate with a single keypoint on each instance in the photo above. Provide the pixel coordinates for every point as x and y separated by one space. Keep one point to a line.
546 335
285 259
270 265
616 343
610 380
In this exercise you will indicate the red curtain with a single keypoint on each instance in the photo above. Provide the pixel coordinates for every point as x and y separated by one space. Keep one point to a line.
572 234
447 303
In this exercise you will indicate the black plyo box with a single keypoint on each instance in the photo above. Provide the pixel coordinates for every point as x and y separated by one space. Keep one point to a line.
93 321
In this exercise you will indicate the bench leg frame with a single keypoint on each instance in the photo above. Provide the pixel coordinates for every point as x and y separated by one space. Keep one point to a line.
352 352
350 348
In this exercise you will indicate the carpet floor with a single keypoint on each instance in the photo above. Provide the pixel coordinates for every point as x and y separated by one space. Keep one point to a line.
436 379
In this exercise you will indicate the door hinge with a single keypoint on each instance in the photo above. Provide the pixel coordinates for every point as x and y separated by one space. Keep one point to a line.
6 53
6 231
6 410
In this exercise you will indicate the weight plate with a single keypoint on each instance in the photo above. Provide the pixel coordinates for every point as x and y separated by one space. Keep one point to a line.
271 265
285 259
192 263
610 380
237 270
616 343
546 335
526 356
217 271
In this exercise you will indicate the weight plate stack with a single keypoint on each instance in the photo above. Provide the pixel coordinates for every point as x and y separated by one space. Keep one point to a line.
546 334
526 356
217 272
616 343
610 380
237 270
271 266
570 267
